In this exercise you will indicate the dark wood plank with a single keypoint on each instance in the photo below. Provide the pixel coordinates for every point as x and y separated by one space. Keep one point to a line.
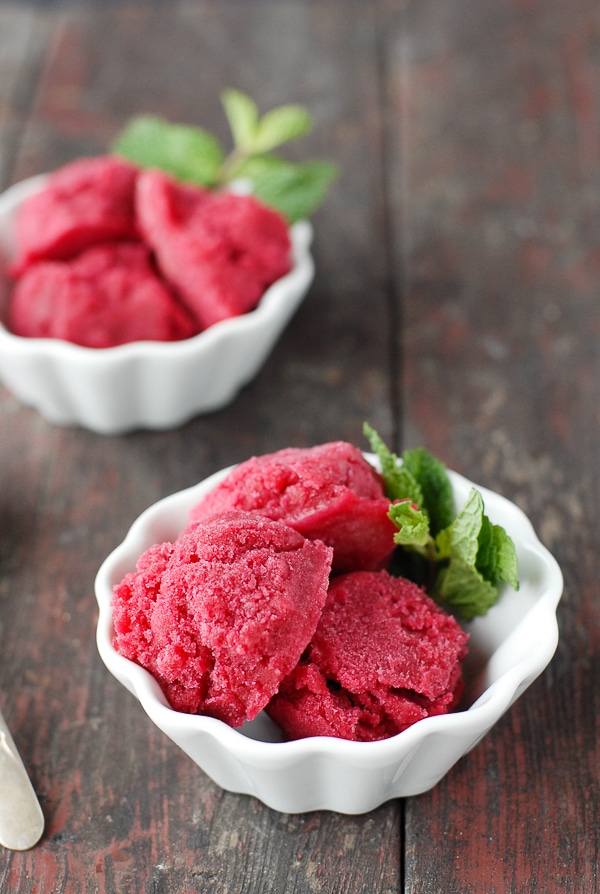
495 198
23 37
125 810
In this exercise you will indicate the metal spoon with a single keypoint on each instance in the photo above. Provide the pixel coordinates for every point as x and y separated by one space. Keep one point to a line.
21 817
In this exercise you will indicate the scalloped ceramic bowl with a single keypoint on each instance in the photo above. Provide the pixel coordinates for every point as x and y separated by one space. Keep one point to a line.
151 385
509 648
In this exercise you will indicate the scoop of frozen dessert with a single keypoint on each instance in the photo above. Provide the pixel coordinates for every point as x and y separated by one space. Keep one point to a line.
85 202
107 296
221 615
383 656
329 493
221 251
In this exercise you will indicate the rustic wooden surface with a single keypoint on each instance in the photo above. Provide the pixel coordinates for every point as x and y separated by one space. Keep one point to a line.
456 305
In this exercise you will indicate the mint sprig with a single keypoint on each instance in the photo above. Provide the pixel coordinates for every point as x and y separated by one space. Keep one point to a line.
194 155
463 557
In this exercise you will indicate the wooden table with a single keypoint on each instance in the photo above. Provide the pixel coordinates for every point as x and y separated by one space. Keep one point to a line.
456 305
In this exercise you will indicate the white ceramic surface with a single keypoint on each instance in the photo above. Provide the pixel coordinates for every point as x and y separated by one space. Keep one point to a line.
509 648
151 385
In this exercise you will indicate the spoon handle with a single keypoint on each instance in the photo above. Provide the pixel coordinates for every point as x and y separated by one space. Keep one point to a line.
21 817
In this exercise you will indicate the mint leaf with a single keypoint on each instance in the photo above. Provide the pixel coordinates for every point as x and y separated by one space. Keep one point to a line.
420 477
485 546
399 483
387 460
253 135
430 473
443 544
412 522
280 126
464 588
497 557
242 115
188 153
507 561
295 190
464 532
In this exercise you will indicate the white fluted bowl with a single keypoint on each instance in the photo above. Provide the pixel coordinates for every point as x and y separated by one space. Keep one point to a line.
145 384
509 648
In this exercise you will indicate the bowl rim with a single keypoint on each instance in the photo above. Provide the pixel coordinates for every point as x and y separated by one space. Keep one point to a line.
474 720
269 306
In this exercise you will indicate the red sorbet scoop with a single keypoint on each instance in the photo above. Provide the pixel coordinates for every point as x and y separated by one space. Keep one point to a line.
223 614
219 250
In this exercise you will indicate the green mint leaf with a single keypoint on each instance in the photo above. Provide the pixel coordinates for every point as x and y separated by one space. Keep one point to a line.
253 135
399 483
188 153
464 532
443 544
480 555
463 587
242 115
485 546
403 486
388 461
293 189
431 475
497 557
508 562
413 524
486 555
280 126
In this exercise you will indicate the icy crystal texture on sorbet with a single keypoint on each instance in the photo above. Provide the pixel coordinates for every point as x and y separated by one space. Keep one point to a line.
221 615
383 656
329 493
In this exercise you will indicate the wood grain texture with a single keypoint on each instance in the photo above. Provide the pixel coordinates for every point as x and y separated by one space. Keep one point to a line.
455 306
499 208
125 810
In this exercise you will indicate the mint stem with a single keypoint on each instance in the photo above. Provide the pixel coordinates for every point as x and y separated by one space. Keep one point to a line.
230 165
